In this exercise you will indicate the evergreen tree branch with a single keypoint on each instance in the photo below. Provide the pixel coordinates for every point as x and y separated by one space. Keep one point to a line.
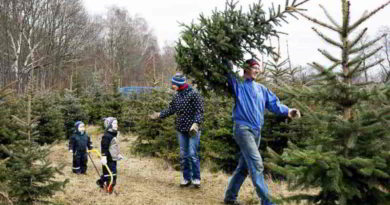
329 40
371 65
357 39
316 21
360 58
275 16
330 18
329 56
367 16
366 45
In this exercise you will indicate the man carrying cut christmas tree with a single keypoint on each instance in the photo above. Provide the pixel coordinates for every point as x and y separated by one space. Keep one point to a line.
189 107
251 100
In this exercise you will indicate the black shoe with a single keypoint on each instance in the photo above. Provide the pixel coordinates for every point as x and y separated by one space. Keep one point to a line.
234 202
100 183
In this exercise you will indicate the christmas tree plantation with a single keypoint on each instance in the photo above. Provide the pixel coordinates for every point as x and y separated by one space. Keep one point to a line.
26 174
347 158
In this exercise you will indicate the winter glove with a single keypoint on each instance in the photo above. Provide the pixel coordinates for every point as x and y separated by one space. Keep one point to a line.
103 160
294 113
194 129
154 115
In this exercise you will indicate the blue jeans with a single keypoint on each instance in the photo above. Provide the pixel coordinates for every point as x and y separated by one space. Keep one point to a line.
248 140
189 160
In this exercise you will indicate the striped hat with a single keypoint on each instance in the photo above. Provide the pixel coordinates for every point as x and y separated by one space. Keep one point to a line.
179 79
108 122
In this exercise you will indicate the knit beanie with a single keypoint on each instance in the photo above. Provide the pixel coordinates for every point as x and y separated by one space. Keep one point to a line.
108 122
179 79
251 62
77 124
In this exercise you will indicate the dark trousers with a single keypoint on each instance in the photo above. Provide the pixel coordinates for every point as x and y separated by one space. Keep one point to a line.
105 178
80 160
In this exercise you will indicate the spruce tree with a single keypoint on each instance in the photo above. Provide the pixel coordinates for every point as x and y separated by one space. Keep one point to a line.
8 105
51 122
227 35
72 111
27 174
347 158
5 138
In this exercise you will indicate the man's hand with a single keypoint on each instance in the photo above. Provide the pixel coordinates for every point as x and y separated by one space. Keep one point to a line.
194 128
120 157
103 160
154 115
294 113
71 151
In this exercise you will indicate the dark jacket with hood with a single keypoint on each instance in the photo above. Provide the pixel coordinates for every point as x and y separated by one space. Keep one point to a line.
79 142
110 145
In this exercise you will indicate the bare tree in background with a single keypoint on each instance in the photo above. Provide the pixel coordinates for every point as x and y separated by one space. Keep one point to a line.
59 43
40 34
385 54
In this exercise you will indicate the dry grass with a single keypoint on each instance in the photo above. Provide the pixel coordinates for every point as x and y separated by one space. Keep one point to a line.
144 181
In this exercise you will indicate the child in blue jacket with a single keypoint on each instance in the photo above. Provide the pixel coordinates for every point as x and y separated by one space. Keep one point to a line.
78 145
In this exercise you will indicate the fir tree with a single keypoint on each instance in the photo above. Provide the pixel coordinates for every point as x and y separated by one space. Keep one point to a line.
27 174
347 157
51 122
227 35
72 111
8 129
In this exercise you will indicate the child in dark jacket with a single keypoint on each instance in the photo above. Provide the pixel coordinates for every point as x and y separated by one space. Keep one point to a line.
78 144
110 154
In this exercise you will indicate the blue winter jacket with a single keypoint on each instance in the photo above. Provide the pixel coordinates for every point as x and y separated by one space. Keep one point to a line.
80 142
251 99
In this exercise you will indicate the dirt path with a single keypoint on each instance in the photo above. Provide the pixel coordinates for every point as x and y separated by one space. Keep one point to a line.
141 181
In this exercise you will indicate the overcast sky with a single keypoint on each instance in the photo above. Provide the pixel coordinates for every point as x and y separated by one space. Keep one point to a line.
163 17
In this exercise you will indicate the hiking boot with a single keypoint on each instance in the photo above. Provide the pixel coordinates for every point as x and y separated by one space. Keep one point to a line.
196 183
110 189
233 202
184 182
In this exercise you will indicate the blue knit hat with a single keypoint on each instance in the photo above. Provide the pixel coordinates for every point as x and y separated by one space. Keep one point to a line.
77 124
179 79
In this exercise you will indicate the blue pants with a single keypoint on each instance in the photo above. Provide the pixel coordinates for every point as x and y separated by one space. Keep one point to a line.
250 162
80 160
189 160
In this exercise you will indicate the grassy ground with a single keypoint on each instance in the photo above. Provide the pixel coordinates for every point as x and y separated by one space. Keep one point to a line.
144 181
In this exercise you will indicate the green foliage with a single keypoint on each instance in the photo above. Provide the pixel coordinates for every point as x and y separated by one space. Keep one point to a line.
72 111
8 129
347 157
228 34
27 174
50 123
156 137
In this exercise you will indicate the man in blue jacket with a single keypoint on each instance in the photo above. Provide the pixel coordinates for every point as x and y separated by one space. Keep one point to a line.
251 99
